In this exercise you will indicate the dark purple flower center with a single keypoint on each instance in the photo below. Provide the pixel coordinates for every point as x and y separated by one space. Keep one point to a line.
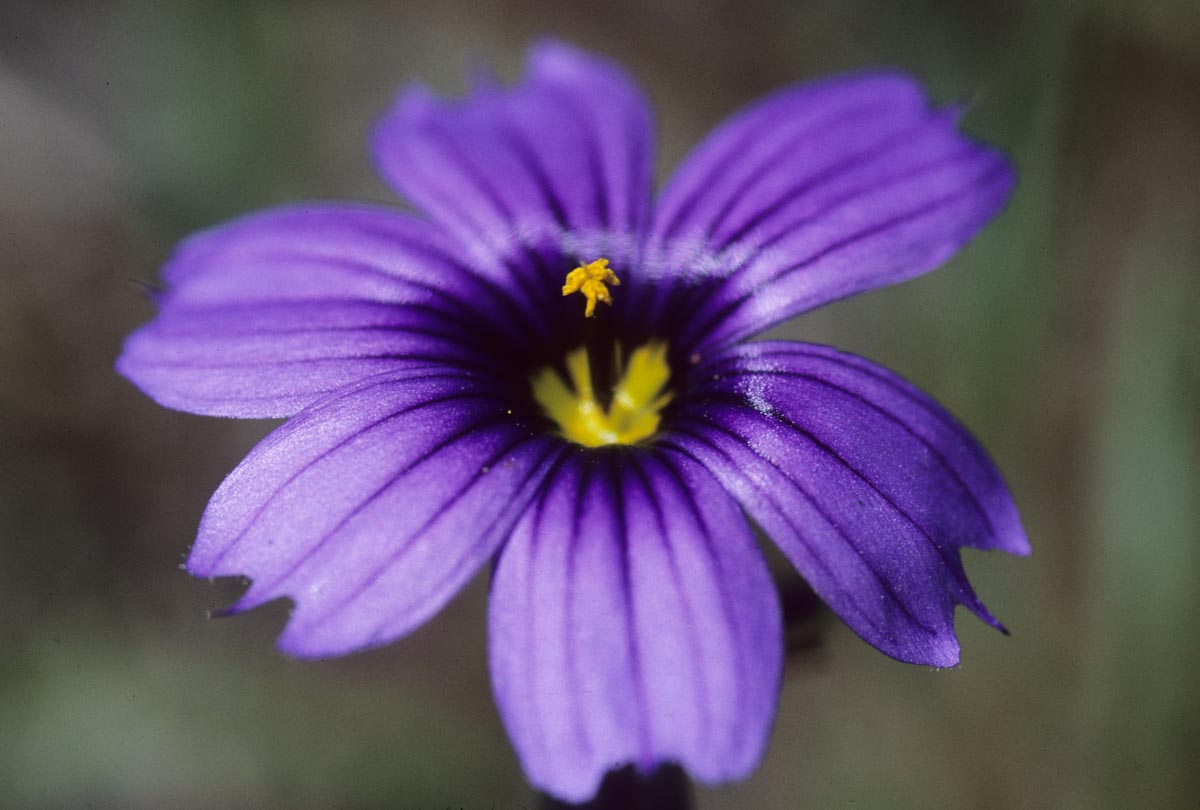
609 394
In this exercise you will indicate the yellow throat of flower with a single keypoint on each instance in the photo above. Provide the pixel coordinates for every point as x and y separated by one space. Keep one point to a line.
640 390
637 398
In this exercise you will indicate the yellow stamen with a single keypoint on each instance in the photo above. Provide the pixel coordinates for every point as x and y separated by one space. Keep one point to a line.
637 399
590 279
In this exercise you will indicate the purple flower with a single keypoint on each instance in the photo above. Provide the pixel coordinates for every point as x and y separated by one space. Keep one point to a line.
450 403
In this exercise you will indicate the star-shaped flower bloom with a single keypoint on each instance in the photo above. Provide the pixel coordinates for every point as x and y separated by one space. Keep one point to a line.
447 406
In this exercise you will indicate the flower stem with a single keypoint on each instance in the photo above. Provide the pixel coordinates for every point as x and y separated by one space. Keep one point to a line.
666 788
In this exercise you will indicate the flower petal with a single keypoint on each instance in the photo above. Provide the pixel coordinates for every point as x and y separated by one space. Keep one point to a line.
272 360
268 313
867 485
373 507
787 129
633 619
563 159
819 192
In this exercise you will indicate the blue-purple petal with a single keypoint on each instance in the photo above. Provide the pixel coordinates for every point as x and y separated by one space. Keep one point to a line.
371 508
563 159
268 360
776 143
867 485
317 252
266 314
817 193
633 620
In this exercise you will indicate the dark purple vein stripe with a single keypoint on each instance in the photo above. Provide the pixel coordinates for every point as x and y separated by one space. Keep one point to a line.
951 470
645 732
728 363
945 551
515 141
815 504
670 443
459 155
738 148
517 316
579 114
570 614
536 471
695 334
442 445
450 208
805 183
894 175
668 543
721 571
306 416
695 300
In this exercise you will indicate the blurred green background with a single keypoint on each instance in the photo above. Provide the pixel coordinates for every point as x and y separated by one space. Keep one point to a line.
1066 337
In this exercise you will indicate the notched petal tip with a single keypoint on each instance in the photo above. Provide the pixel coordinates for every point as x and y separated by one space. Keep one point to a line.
370 510
151 291
236 609
865 483
1015 541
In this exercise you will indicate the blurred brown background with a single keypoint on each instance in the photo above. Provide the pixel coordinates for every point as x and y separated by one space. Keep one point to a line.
1066 338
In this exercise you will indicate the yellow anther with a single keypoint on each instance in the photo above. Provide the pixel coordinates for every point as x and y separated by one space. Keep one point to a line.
591 280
